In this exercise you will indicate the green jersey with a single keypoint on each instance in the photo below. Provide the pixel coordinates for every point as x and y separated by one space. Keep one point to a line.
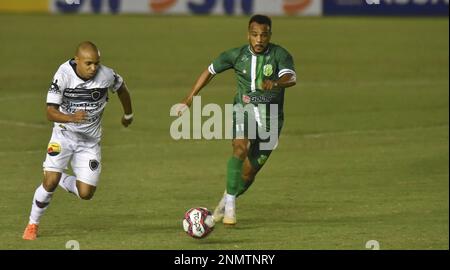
252 69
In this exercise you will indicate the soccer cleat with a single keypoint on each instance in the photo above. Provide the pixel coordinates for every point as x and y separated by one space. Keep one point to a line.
229 217
30 232
220 209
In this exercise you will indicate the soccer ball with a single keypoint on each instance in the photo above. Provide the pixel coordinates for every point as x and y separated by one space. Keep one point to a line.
198 222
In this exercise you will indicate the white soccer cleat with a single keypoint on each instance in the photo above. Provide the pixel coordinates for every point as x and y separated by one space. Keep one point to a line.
219 211
229 217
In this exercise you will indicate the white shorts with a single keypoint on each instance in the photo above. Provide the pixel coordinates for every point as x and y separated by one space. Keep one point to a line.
83 152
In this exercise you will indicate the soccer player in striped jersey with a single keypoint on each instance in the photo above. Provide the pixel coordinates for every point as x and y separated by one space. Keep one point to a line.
76 100
263 71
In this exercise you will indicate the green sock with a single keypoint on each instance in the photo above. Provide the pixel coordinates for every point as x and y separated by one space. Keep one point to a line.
243 186
234 168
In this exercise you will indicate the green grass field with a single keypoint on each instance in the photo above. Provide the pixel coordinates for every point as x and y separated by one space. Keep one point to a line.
363 154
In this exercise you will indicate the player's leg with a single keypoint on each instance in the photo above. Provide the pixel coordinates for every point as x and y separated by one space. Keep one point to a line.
58 155
258 153
220 208
226 209
86 191
41 200
87 167
77 187
234 171
247 177
234 168
69 183
252 165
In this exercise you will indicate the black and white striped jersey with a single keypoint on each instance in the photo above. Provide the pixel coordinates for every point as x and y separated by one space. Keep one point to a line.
72 93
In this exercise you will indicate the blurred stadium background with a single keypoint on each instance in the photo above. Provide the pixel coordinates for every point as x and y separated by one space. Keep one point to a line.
363 155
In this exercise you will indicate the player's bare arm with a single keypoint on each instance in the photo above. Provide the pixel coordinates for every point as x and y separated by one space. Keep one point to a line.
287 80
54 115
201 82
125 99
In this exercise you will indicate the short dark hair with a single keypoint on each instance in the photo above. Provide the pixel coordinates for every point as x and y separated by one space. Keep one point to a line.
261 19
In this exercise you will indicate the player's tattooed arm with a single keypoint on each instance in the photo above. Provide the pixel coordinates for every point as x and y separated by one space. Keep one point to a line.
54 115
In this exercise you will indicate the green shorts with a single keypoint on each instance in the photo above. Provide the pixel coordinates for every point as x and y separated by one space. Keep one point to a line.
263 139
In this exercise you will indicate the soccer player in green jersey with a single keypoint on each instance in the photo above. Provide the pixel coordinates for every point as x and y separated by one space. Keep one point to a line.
263 71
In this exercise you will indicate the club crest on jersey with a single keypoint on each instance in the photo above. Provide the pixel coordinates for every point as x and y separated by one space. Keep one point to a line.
267 70
93 164
53 149
54 88
262 159
96 95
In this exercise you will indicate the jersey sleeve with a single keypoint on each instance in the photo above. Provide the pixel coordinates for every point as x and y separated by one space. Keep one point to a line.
285 63
56 89
116 82
224 62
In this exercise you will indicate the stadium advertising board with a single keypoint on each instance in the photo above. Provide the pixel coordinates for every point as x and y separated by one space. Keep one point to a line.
24 6
386 7
216 7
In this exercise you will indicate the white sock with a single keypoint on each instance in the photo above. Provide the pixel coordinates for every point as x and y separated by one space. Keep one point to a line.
40 203
222 201
69 183
230 201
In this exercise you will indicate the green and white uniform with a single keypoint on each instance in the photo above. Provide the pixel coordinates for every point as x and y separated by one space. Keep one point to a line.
251 70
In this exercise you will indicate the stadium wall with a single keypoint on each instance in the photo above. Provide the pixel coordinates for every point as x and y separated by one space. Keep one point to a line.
193 7
235 7
386 7
24 5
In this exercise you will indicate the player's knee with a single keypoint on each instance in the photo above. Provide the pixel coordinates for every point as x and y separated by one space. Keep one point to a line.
50 186
241 153
86 195
248 176
240 150
51 180
85 191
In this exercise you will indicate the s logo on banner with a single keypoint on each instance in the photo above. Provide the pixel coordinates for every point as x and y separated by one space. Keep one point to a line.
371 2
292 7
72 2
